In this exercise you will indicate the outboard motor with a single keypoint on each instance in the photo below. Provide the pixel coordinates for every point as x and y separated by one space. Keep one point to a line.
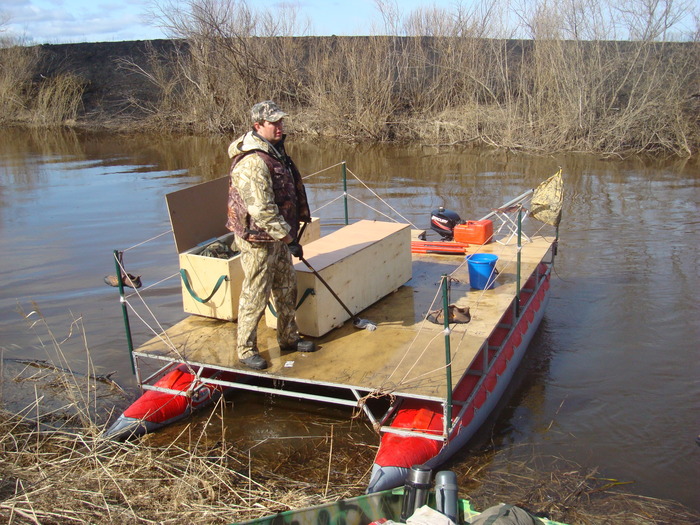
444 221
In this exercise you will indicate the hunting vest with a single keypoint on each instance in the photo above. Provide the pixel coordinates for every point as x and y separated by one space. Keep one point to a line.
290 198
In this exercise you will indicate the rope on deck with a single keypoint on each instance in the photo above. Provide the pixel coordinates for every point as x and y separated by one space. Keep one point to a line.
148 240
381 200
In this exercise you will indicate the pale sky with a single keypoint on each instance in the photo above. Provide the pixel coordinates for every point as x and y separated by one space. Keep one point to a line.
74 21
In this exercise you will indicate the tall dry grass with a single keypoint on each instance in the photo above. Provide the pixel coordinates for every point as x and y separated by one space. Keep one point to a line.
563 491
583 76
29 97
17 66
78 477
56 468
58 100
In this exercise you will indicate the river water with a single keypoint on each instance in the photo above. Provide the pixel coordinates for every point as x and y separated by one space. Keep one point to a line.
611 379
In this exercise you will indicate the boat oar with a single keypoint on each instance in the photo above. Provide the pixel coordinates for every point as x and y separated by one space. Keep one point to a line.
362 324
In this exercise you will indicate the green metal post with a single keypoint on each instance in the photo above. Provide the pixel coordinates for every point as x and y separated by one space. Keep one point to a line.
125 312
345 190
520 245
448 354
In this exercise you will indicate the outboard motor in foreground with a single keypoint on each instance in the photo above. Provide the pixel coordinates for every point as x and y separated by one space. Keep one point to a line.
444 221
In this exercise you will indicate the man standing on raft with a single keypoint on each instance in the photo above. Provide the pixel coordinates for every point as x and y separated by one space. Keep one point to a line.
267 201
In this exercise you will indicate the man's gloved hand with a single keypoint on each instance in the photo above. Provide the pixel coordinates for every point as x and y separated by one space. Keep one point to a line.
295 249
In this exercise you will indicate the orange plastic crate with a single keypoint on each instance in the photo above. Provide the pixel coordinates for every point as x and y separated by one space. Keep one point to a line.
474 232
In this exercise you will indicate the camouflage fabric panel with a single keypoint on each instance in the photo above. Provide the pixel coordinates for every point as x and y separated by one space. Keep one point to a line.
547 200
268 272
363 510
252 180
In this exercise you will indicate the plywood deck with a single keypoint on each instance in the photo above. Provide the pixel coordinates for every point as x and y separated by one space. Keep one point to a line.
404 356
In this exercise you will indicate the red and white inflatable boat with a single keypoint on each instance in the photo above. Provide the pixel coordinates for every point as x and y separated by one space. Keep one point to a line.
473 399
179 393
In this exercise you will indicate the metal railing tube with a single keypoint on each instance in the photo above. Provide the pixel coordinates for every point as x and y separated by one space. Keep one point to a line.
448 356
125 312
345 190
520 246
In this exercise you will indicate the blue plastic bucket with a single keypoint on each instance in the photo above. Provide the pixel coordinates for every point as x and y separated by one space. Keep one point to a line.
482 270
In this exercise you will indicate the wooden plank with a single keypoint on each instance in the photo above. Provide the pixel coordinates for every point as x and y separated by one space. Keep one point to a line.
361 262
198 213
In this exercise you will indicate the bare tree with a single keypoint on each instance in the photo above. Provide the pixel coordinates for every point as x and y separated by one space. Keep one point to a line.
648 20
569 81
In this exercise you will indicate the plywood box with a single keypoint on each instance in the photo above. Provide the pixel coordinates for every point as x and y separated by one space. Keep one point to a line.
362 263
198 216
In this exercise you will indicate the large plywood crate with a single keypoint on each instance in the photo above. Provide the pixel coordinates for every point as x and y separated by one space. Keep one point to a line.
361 262
198 216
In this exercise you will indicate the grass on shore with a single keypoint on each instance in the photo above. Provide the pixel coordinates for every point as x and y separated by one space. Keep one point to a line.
77 477
55 468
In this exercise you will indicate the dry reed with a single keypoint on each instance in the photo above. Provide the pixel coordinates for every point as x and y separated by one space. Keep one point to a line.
563 491
56 468
450 76
17 65
58 100
77 477
28 96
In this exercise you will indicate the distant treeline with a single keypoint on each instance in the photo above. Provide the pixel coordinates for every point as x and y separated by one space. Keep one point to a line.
547 95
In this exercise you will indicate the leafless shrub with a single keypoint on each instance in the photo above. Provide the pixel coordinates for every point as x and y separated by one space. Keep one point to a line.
587 75
58 100
26 96
350 88
230 61
568 87
17 65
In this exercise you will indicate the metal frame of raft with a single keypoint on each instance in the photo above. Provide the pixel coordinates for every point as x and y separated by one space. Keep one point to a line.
152 351
486 367
294 387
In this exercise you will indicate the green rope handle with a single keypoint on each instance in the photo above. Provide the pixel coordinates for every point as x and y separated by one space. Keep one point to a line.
186 280
307 292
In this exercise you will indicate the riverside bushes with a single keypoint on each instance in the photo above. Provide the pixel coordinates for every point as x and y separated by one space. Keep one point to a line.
448 77
598 76
26 96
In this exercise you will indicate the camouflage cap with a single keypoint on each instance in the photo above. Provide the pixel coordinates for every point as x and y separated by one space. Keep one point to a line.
266 110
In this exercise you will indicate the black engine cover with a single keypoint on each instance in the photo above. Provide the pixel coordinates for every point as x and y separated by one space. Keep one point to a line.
444 221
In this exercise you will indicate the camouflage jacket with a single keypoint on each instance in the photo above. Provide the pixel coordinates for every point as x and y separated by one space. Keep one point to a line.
267 199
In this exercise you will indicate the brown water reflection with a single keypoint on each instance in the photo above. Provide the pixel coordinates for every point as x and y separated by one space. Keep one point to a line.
611 379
